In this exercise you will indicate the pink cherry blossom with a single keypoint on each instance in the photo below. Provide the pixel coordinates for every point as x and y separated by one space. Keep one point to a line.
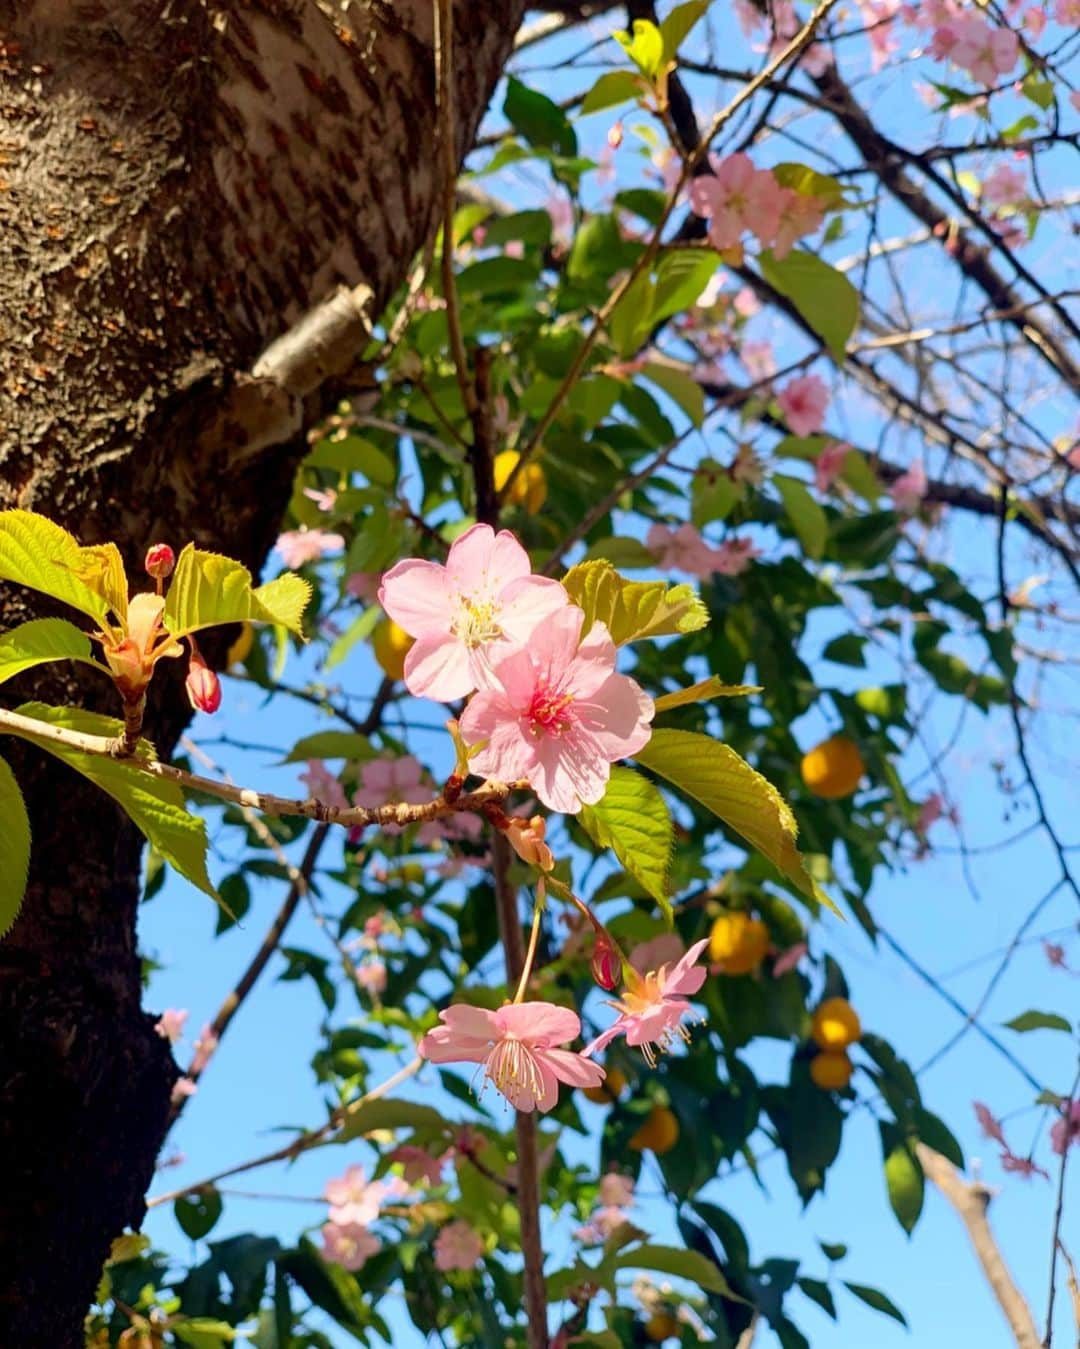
371 976
419 1167
759 360
355 1199
1067 12
519 1048
1066 1131
789 959
464 615
681 549
930 812
652 1007
666 949
458 1246
298 546
909 489
383 781
616 1191
324 498
363 585
799 215
323 786
1055 955
348 1244
602 1222
989 1126
830 464
737 198
985 51
1035 21
170 1025
1005 186
734 556
803 401
559 715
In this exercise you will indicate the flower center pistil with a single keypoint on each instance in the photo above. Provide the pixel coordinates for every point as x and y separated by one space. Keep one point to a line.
514 1071
548 712
476 622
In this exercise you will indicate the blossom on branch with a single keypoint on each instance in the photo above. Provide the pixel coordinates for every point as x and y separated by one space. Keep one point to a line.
653 1005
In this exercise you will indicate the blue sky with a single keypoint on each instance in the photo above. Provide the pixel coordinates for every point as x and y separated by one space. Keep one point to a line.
262 1079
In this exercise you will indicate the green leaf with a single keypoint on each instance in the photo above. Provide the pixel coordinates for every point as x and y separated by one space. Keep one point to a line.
632 818
633 609
14 848
714 493
208 590
1027 1021
833 1250
155 805
391 1114
807 517
681 276
39 641
680 386
678 23
632 317
701 692
354 454
824 297
41 555
331 745
537 119
1039 90
903 1177
873 1297
809 183
645 48
197 1213
681 1264
714 775
818 1291
617 86
621 552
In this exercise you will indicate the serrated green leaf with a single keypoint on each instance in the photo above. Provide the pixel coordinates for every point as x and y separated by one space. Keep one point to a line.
809 183
1028 1021
645 48
155 805
391 1114
36 553
678 23
681 1264
632 818
713 774
633 609
198 1213
208 590
331 745
702 691
40 641
903 1177
874 1297
824 297
681 276
14 849
680 386
807 517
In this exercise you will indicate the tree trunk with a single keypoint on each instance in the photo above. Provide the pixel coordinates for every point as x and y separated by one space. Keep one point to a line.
179 184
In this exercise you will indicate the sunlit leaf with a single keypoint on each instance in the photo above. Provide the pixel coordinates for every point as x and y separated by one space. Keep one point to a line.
14 848
632 818
633 609
702 691
41 555
823 296
208 590
40 641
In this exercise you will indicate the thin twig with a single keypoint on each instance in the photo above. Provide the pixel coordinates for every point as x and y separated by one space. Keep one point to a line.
1059 1211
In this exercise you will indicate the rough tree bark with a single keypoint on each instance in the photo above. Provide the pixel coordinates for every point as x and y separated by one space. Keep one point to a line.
179 184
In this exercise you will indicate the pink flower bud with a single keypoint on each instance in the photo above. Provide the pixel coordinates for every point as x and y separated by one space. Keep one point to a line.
202 684
160 561
606 964
615 135
527 840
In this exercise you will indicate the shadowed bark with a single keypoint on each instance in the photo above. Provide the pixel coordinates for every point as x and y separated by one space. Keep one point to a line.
179 185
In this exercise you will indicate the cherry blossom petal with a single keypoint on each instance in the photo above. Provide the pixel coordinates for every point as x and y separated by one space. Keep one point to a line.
538 1023
415 595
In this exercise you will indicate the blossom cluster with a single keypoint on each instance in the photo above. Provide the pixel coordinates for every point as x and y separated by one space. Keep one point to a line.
738 199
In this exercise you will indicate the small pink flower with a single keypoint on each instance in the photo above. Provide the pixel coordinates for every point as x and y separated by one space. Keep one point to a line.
386 781
737 198
1066 1130
1055 955
652 1007
759 360
990 1127
1035 21
602 1222
909 489
930 812
559 715
803 402
170 1024
605 964
1005 186
419 1167
799 215
323 498
1067 12
681 549
458 1246
160 561
468 613
830 464
518 1047
616 1191
734 556
353 1199
371 976
323 786
202 685
986 52
666 949
298 546
348 1244
1022 1166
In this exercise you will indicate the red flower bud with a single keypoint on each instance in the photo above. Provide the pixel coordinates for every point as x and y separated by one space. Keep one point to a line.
606 964
202 684
160 561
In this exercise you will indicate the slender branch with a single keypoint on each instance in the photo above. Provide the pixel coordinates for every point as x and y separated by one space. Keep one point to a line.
971 1201
1059 1211
313 1138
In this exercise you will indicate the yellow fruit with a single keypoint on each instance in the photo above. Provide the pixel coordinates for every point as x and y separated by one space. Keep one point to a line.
834 768
609 1090
661 1326
831 1071
659 1133
391 645
238 652
737 943
835 1025
530 486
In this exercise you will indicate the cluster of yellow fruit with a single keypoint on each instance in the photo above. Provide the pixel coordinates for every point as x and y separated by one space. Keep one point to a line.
391 645
738 943
833 769
834 1027
660 1131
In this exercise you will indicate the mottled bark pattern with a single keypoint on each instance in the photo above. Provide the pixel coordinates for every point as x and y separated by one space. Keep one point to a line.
178 183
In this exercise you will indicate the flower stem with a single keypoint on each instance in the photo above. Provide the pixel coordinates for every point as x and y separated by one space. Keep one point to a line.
530 954
528 1169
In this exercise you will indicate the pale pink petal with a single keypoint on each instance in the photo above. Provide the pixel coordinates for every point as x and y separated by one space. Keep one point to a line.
684 978
527 602
481 562
415 595
605 1038
538 1023
442 1045
570 772
477 1023
572 1069
437 666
